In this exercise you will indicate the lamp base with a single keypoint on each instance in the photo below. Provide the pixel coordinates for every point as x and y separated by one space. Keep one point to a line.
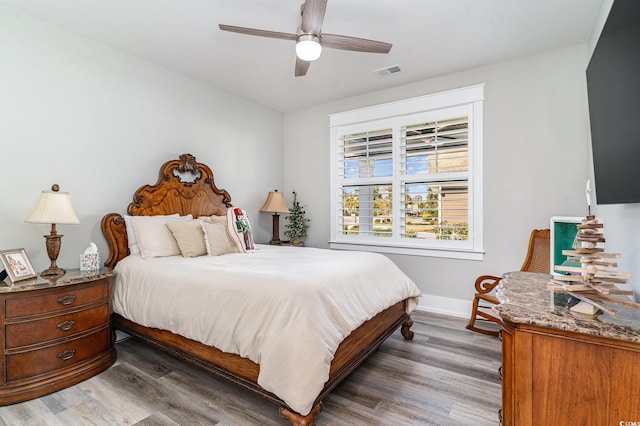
53 272
275 238
53 249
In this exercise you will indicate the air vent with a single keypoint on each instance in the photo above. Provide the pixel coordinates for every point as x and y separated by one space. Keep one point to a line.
393 69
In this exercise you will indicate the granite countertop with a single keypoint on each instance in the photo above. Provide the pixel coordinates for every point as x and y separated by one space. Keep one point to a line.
72 276
524 299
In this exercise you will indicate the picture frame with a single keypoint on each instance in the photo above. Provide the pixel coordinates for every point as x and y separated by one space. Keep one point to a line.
563 234
17 264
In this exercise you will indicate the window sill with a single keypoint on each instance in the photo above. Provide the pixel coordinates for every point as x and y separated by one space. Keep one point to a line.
453 253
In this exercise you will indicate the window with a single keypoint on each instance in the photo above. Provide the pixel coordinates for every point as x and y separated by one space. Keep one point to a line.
407 176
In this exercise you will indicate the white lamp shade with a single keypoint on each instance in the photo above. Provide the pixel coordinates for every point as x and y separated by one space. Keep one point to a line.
275 203
308 47
53 207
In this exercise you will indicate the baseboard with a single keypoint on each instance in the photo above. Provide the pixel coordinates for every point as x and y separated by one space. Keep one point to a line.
445 305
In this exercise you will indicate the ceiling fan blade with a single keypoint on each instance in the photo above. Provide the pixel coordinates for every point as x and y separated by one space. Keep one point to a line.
260 33
301 67
313 15
355 44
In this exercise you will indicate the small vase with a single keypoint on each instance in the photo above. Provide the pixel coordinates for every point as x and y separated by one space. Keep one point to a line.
297 242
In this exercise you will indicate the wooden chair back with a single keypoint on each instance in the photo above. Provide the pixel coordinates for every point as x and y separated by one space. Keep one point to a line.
538 257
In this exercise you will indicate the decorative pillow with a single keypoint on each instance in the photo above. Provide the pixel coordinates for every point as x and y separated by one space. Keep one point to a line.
214 218
189 236
154 237
240 229
132 241
217 239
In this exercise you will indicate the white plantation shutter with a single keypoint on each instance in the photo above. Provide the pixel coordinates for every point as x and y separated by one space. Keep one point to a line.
410 182
366 210
366 168
435 147
366 154
440 208
436 205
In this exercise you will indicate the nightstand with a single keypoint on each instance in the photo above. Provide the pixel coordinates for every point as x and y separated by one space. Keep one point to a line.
55 333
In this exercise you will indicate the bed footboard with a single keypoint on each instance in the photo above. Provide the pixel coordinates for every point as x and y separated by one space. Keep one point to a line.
356 348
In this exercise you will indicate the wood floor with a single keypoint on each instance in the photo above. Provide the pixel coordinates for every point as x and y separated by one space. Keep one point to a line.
446 376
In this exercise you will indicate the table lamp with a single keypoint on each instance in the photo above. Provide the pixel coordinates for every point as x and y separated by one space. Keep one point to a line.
53 207
275 204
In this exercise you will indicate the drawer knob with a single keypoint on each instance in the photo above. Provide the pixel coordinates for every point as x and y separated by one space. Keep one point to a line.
67 354
67 300
66 325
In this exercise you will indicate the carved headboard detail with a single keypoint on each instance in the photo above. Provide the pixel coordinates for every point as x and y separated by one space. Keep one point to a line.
184 186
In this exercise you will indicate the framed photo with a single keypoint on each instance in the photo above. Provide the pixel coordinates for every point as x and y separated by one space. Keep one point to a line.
563 237
17 264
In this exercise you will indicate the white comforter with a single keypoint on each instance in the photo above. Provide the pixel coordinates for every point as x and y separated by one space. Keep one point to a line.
285 308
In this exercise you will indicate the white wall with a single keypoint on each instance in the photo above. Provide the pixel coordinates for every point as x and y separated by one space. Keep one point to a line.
535 142
100 122
622 222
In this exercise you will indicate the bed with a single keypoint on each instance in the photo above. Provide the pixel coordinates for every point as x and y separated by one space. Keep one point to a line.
210 336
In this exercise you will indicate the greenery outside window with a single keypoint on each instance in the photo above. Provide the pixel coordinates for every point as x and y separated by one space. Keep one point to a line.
407 176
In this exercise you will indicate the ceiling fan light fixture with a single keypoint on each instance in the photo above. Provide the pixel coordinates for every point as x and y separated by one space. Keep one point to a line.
308 47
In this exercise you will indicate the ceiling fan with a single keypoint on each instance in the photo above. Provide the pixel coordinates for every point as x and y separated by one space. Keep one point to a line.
310 39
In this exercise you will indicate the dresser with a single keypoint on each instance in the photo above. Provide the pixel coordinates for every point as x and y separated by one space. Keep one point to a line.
55 333
564 368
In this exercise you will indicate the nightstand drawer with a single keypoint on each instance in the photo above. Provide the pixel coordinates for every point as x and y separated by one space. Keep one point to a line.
51 302
28 333
33 363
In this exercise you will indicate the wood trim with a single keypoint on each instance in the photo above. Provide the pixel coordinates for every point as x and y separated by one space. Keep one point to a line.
576 336
523 379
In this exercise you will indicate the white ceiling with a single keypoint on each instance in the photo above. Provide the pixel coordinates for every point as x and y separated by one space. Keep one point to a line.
430 38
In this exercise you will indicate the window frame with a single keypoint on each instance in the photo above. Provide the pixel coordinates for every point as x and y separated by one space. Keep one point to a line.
394 115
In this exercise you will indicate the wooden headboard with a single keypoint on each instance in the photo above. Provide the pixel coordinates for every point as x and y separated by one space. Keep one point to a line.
184 186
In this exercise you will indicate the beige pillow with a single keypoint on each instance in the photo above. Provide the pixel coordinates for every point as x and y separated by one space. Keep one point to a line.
214 219
189 236
217 238
154 237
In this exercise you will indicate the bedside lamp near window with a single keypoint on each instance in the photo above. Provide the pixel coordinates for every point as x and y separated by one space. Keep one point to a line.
53 207
275 204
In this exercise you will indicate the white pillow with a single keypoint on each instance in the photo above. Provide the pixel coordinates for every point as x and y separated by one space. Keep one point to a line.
154 237
132 241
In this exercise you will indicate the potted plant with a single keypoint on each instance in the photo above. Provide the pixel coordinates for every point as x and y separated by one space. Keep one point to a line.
298 223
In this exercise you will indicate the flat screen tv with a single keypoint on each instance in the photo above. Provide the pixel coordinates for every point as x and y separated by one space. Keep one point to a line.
613 84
